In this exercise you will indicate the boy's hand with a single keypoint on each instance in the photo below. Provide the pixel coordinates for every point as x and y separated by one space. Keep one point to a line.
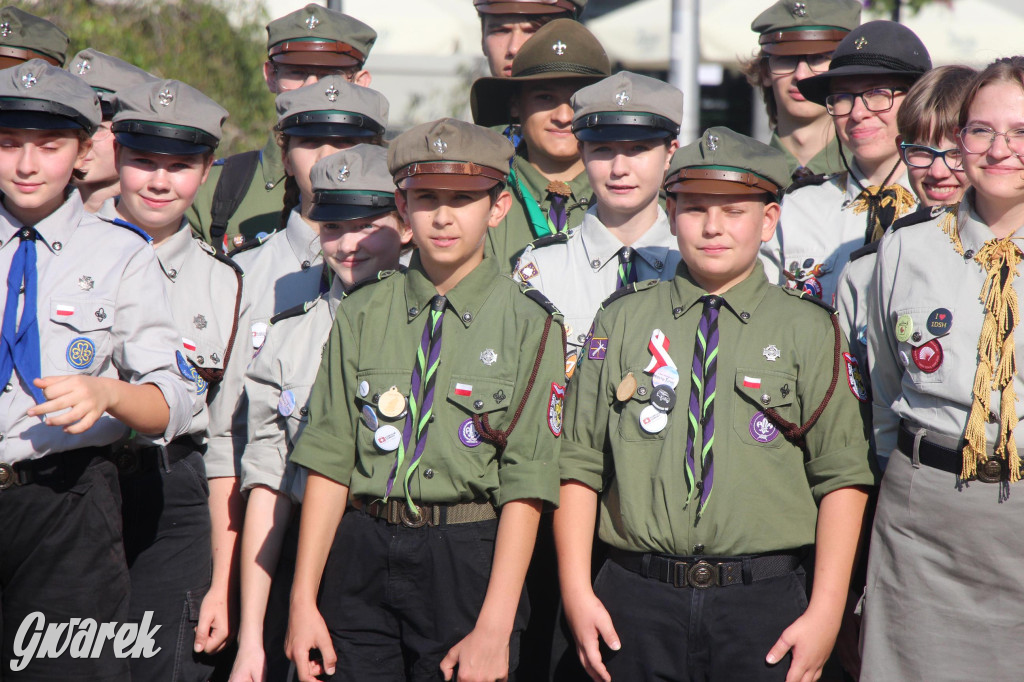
482 656
589 620
214 627
250 663
811 637
87 397
307 630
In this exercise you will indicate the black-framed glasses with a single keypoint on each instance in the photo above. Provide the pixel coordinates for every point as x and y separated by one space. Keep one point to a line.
978 139
923 156
782 64
875 100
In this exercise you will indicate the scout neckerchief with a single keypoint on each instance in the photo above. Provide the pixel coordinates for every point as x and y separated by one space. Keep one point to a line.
703 384
19 341
627 267
997 357
558 212
883 203
421 398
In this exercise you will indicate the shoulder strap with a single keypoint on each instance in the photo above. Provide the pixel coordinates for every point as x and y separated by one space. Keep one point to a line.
239 170
213 376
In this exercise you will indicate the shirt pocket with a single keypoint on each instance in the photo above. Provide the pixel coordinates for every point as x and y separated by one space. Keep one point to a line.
473 395
631 411
78 338
758 391
922 351
293 407
807 270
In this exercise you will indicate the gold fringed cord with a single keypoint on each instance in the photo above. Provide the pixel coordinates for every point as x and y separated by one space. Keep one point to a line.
950 225
896 197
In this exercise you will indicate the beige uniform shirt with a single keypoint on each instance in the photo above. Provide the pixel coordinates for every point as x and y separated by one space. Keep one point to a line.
277 386
103 311
578 271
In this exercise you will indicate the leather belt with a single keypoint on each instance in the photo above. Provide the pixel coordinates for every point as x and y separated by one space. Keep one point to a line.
397 512
59 467
931 454
704 572
135 459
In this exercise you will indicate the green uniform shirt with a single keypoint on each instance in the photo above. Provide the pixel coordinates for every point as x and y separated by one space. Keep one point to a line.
824 162
260 210
508 240
490 336
766 490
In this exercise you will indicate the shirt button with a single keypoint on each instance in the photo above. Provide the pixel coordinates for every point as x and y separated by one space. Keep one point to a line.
744 315
641 391
305 411
200 359
429 473
595 264
172 273
581 338
468 317
478 404
305 265
9 387
677 311
375 398
269 186
968 254
414 311
765 399
916 336
658 265
698 548
57 246
215 357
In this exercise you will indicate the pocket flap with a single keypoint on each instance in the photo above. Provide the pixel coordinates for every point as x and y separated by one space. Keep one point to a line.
372 384
918 326
478 395
766 389
82 314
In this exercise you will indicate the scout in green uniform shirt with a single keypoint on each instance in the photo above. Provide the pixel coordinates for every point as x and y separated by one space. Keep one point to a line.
505 25
708 422
302 47
547 180
439 400
797 38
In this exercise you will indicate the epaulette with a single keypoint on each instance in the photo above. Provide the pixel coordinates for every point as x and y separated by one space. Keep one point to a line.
808 180
804 296
630 289
128 226
250 244
922 215
547 240
223 259
866 250
372 279
295 311
540 299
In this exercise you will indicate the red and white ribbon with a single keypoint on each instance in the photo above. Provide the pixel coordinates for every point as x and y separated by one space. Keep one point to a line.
658 345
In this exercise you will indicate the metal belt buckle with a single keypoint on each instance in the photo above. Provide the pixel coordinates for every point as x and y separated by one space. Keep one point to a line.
411 519
8 477
702 575
679 576
991 470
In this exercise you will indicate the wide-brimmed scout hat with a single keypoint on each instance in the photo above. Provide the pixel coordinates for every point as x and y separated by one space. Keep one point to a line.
332 107
167 117
877 48
805 26
573 8
107 75
317 36
36 95
724 162
25 36
626 107
350 184
562 50
449 154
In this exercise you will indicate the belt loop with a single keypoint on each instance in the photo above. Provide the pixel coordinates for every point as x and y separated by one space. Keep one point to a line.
748 574
915 456
165 459
645 565
440 514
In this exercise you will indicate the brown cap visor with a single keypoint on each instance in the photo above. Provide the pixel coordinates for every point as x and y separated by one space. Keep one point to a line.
709 181
12 56
316 53
452 175
801 42
524 7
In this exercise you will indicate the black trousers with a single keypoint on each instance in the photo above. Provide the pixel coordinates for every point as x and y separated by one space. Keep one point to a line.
718 634
61 556
396 599
167 543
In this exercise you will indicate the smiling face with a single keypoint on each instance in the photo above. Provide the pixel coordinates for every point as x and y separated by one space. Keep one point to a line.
937 184
719 235
356 249
157 189
997 174
545 115
35 168
870 135
626 176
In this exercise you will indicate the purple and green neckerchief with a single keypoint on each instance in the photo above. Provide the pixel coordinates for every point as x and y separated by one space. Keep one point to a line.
703 382
627 267
421 398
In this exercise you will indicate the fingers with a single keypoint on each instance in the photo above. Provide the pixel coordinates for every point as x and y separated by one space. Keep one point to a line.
780 649
217 640
201 635
449 661
607 631
327 654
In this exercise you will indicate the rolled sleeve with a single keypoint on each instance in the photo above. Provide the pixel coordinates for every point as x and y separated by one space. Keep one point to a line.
583 456
266 453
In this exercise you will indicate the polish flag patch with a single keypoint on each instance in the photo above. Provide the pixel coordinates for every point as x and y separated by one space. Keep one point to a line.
65 310
751 382
463 389
189 344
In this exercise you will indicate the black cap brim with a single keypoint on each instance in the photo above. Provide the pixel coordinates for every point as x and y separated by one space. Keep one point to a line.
490 98
621 134
336 213
41 114
154 144
35 120
817 88
325 129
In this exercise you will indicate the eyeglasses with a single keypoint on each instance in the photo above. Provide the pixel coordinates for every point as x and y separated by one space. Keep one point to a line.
979 139
922 156
294 75
875 100
782 64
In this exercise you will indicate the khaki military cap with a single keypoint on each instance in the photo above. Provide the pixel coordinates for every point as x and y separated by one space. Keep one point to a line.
36 95
318 36
571 7
167 117
627 106
332 107
449 154
562 50
806 26
25 36
725 162
353 183
107 75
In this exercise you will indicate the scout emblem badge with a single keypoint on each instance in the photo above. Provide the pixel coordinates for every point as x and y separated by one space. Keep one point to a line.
854 378
468 434
555 402
762 429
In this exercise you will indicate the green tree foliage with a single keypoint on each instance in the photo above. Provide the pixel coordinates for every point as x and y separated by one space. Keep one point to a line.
189 40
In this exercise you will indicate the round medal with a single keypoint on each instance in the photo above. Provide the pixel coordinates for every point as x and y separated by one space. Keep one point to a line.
663 398
387 438
928 357
652 420
468 434
666 376
904 328
391 403
626 389
286 404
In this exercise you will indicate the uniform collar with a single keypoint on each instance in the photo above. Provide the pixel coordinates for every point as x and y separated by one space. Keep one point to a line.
466 298
973 230
334 295
852 191
825 161
272 163
601 246
535 182
174 250
55 230
302 239
742 300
